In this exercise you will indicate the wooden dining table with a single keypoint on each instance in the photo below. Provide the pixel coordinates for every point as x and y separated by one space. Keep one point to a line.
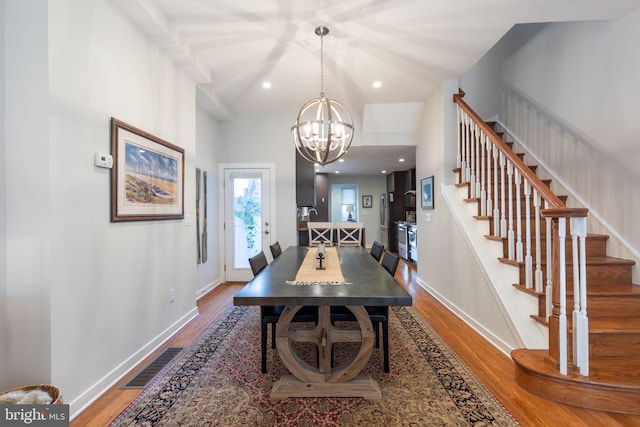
366 283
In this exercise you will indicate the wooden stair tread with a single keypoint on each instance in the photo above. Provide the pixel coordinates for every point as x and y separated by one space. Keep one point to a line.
589 260
624 373
612 384
628 325
596 289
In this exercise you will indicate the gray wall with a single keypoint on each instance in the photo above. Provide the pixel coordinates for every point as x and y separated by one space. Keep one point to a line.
4 367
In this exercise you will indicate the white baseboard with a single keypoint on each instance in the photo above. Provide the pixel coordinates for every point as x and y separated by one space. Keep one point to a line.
203 291
99 388
486 334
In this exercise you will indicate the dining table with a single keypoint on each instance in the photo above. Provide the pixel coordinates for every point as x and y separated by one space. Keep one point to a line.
335 276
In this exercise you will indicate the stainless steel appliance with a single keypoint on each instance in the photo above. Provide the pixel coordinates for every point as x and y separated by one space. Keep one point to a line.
403 249
412 242
384 220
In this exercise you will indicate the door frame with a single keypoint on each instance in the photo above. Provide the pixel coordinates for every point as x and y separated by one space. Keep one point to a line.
222 242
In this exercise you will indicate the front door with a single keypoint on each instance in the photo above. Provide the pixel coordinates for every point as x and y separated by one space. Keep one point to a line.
247 219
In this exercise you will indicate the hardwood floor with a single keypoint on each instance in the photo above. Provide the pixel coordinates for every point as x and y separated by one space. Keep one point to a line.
491 366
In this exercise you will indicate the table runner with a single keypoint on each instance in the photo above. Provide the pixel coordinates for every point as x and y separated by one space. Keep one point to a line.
309 275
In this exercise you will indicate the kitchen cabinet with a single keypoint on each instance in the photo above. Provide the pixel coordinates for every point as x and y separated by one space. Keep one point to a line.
395 189
322 197
410 186
305 182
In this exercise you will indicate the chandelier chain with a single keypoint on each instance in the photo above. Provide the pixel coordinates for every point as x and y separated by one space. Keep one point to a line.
321 66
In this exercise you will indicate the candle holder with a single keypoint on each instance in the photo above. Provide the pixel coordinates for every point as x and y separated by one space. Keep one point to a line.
320 256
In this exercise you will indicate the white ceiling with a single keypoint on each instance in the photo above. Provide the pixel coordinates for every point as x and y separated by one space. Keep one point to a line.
230 47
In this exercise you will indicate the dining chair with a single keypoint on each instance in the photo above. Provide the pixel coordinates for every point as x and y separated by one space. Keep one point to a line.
390 262
379 315
349 233
270 314
258 262
320 232
376 250
276 250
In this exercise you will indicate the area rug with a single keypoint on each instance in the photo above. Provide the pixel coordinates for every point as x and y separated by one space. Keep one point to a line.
217 382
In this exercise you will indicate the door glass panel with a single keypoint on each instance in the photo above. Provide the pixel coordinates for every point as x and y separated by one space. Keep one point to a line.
247 219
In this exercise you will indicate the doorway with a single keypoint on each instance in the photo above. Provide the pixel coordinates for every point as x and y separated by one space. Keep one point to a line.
247 228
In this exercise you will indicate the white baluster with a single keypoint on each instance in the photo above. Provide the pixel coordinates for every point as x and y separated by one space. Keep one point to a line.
459 133
519 248
511 234
536 205
579 227
473 161
489 206
482 183
549 290
562 318
496 205
528 259
503 206
575 315
467 175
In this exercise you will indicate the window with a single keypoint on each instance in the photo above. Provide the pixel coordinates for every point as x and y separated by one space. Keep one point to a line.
343 202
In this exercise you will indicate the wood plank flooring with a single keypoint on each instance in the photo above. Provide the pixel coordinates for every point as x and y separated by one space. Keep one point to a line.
491 366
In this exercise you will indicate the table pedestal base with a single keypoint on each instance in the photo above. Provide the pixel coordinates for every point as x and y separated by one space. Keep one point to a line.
361 386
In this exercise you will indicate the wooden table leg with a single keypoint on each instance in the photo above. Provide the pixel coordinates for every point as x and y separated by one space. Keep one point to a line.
324 381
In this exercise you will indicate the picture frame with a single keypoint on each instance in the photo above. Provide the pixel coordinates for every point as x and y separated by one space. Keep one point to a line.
147 178
426 190
367 201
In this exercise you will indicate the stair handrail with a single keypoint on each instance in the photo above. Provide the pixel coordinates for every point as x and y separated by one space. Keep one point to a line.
555 214
553 201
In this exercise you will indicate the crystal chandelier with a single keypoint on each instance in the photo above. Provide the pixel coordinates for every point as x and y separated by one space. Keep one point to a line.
324 128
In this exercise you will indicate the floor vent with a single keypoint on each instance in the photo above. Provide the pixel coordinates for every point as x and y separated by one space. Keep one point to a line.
144 376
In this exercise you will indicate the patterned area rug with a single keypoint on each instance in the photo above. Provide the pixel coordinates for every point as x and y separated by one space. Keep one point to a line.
217 382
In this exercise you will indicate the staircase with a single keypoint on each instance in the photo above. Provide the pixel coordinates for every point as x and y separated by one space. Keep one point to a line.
612 305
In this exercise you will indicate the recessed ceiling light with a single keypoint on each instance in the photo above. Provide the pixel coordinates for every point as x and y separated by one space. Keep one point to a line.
341 160
377 84
337 171
401 160
383 172
266 85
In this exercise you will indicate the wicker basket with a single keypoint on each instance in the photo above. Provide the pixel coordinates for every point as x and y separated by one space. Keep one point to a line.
54 392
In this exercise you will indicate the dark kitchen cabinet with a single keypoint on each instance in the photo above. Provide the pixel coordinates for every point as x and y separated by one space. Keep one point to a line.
305 182
395 189
322 197
410 188
410 180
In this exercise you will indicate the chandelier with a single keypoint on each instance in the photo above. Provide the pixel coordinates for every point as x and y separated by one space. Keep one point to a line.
324 128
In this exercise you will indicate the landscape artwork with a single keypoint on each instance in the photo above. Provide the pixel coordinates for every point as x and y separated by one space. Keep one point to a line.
147 178
150 177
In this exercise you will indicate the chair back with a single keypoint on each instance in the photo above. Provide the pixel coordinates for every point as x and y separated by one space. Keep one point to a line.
258 263
390 262
349 233
320 232
276 250
376 250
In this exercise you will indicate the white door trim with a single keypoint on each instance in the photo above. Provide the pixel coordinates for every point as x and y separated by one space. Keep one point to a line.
222 167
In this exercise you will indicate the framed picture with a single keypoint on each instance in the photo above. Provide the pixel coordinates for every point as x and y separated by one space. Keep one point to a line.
147 179
426 187
367 201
